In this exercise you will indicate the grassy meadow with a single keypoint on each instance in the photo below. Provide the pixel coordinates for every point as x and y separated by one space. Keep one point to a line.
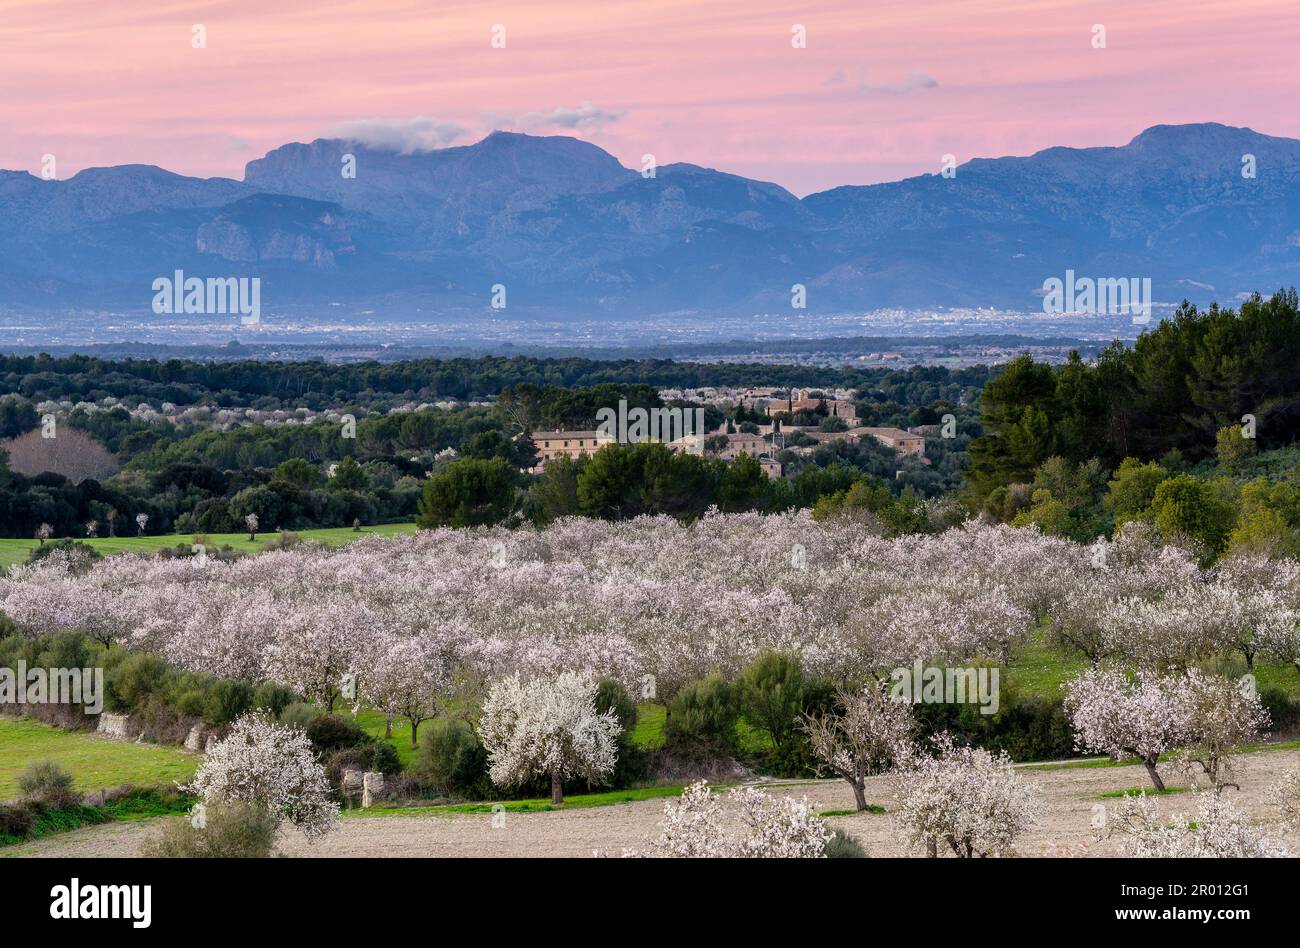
17 550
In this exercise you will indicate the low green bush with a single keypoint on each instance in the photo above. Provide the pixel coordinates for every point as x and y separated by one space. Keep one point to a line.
273 697
702 719
844 846
1027 726
770 694
452 758
1283 710
328 733
298 714
227 699
47 783
227 831
633 763
132 678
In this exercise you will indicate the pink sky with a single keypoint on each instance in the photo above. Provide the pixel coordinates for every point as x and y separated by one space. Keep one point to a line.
882 91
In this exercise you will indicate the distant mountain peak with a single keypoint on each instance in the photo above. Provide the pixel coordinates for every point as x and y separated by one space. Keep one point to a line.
573 232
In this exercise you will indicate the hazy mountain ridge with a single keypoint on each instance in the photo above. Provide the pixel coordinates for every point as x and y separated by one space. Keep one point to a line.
568 229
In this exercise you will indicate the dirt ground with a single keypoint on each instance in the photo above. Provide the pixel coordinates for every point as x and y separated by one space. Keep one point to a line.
1065 829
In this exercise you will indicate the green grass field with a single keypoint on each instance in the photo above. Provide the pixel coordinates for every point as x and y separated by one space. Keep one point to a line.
95 763
16 551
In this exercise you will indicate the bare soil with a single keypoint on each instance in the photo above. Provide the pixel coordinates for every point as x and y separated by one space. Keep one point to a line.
1069 794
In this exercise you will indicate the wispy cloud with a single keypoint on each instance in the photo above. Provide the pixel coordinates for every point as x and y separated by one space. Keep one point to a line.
585 116
914 82
402 135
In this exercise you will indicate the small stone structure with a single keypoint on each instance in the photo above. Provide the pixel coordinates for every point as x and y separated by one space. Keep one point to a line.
118 727
372 789
194 740
353 783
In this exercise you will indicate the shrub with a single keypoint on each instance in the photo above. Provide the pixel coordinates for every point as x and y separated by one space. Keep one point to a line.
189 694
262 762
633 764
83 551
770 693
227 700
1026 726
1283 710
452 758
17 820
747 823
273 697
131 681
48 783
844 846
702 718
227 831
299 714
328 732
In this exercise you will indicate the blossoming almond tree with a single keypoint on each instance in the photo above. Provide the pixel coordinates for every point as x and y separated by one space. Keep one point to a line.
860 740
547 726
746 823
966 798
273 766
1222 715
410 679
1218 830
1261 606
1286 796
1113 714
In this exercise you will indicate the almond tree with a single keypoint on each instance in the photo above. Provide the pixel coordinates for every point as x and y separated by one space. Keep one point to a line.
1286 796
410 679
273 766
965 798
1218 830
1221 716
547 726
1259 606
321 643
1116 715
747 823
863 738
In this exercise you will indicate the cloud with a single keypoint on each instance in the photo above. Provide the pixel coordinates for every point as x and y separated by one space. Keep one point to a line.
914 81
584 116
401 135
835 79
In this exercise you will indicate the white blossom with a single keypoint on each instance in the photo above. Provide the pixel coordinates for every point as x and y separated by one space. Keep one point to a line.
746 823
262 762
547 726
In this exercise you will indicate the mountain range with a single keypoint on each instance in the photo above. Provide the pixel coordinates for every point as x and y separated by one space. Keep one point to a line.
569 231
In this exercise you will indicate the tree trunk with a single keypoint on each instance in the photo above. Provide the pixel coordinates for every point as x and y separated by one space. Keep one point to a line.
415 728
932 847
859 795
388 726
1155 777
557 789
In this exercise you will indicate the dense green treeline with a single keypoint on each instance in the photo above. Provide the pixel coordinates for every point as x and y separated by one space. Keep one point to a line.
320 385
1172 391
